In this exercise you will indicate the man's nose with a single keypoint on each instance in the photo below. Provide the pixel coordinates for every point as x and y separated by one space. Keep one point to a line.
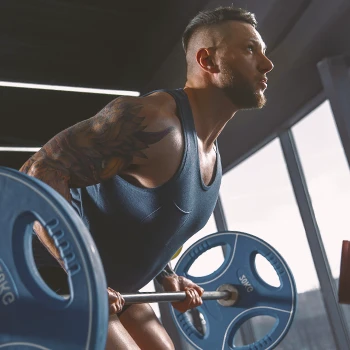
266 65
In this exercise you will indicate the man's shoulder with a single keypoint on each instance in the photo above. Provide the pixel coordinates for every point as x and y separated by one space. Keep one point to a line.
156 113
156 110
158 104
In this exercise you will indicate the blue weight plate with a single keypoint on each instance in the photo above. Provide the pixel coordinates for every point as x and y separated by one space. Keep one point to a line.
256 297
32 315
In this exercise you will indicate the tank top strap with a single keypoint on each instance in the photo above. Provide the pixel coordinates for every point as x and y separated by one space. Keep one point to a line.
184 108
182 100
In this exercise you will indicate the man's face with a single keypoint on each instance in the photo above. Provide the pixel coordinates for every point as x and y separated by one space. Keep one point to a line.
243 65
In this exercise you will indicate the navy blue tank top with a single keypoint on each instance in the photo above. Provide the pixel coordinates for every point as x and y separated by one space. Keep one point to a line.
138 230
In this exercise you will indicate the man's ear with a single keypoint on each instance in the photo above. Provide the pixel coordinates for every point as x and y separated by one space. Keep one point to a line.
206 60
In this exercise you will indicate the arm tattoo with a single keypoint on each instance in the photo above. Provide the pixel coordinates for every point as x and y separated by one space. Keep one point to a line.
97 148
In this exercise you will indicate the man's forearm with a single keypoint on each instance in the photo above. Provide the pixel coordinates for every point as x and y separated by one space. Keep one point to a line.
168 271
48 242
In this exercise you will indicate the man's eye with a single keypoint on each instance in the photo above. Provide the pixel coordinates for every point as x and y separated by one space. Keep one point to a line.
250 48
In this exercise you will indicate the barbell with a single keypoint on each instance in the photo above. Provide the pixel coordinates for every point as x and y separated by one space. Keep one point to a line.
32 316
226 295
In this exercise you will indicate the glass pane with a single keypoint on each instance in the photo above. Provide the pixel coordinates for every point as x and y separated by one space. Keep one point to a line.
258 198
327 176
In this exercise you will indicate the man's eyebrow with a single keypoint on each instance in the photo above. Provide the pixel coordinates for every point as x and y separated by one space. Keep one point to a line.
258 43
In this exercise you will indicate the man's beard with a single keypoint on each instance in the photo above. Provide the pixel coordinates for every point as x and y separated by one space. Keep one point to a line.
240 91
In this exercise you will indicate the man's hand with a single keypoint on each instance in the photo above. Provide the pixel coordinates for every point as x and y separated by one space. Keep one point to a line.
175 283
115 301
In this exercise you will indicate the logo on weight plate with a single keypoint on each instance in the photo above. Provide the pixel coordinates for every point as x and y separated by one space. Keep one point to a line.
7 288
245 283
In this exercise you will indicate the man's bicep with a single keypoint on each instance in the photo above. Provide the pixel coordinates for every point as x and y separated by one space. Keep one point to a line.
102 146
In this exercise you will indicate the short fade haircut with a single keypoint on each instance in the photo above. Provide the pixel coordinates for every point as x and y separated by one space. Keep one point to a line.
216 16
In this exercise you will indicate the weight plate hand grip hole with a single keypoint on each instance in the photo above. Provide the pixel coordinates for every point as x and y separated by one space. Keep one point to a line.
266 271
201 268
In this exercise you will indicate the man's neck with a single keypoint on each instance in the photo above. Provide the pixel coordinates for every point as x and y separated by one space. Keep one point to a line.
211 111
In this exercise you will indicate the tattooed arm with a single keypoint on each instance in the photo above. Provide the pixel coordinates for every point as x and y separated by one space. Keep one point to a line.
94 150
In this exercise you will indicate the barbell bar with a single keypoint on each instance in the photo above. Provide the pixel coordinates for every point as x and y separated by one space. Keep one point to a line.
228 295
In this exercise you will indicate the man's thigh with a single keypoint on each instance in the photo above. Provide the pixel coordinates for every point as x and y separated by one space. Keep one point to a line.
118 337
144 327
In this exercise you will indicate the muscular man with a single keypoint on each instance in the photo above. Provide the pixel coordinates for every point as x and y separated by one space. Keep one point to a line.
144 173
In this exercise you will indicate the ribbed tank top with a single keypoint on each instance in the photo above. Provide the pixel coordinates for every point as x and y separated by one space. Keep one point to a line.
137 230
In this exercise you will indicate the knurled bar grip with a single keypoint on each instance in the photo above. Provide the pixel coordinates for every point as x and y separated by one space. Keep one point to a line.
172 296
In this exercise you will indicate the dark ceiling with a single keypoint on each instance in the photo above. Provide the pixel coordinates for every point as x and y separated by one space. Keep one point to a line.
105 43
135 45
